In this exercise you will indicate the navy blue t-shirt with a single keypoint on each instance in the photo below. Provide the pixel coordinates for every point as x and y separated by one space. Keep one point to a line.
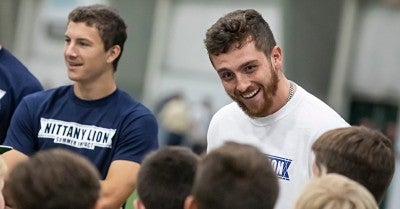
15 82
112 128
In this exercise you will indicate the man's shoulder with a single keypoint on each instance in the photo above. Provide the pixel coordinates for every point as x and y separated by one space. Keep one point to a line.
131 105
228 112
228 116
32 83
231 108
47 97
58 92
17 71
314 106
315 115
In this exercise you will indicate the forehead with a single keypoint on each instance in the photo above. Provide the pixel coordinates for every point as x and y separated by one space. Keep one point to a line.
82 31
237 56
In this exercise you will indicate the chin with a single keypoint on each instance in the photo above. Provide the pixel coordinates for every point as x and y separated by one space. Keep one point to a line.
73 78
250 112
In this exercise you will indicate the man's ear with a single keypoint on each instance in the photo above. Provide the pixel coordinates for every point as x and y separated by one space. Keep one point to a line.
190 203
276 57
138 204
113 53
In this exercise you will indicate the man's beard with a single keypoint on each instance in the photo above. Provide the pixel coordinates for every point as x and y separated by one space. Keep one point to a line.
269 93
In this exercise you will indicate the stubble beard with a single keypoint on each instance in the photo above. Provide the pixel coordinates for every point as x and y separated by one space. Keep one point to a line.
269 93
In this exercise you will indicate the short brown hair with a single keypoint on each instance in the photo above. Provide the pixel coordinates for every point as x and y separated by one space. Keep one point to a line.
53 179
235 176
237 28
166 177
109 23
362 154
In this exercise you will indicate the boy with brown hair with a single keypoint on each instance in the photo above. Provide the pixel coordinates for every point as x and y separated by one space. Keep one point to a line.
362 154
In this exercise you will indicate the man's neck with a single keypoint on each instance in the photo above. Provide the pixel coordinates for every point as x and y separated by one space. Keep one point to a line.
94 92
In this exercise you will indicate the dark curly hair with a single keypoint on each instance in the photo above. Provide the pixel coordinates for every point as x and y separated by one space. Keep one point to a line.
238 28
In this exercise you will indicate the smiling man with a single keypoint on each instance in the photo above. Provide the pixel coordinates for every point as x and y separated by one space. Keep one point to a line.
92 117
269 111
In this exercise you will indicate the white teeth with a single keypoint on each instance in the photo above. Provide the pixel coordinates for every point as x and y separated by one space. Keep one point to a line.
250 94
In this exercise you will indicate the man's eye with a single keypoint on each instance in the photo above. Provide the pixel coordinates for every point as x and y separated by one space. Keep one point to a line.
83 44
250 68
226 76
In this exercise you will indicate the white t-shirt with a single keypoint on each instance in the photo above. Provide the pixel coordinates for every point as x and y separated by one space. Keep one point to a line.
285 136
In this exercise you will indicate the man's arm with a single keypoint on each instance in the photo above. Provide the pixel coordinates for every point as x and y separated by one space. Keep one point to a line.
12 158
119 184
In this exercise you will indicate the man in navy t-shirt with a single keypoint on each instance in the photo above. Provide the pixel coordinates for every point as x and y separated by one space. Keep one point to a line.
92 117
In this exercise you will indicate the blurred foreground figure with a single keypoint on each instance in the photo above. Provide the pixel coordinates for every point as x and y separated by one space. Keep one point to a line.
166 178
234 176
360 153
54 179
334 191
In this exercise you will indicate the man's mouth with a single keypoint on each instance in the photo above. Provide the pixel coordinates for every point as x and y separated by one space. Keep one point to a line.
249 95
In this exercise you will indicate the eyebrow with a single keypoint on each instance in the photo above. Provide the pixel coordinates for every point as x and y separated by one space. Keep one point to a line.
79 39
240 67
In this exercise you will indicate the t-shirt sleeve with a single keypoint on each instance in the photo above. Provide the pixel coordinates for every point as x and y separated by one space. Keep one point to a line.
31 86
21 132
139 136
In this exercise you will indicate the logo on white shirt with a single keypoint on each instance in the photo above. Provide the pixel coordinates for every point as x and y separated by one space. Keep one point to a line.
281 166
75 134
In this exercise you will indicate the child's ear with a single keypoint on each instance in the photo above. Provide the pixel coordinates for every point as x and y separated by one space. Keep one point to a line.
138 204
97 205
190 203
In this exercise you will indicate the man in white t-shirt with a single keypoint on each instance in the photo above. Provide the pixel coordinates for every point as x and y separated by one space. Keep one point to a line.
269 111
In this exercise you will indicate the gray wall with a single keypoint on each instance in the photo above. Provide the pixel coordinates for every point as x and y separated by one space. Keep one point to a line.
139 17
8 15
310 34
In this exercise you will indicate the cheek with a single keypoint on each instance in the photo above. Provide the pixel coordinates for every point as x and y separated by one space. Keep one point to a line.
229 87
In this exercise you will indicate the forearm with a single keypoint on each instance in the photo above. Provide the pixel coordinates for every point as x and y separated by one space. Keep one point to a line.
11 158
114 198
118 185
